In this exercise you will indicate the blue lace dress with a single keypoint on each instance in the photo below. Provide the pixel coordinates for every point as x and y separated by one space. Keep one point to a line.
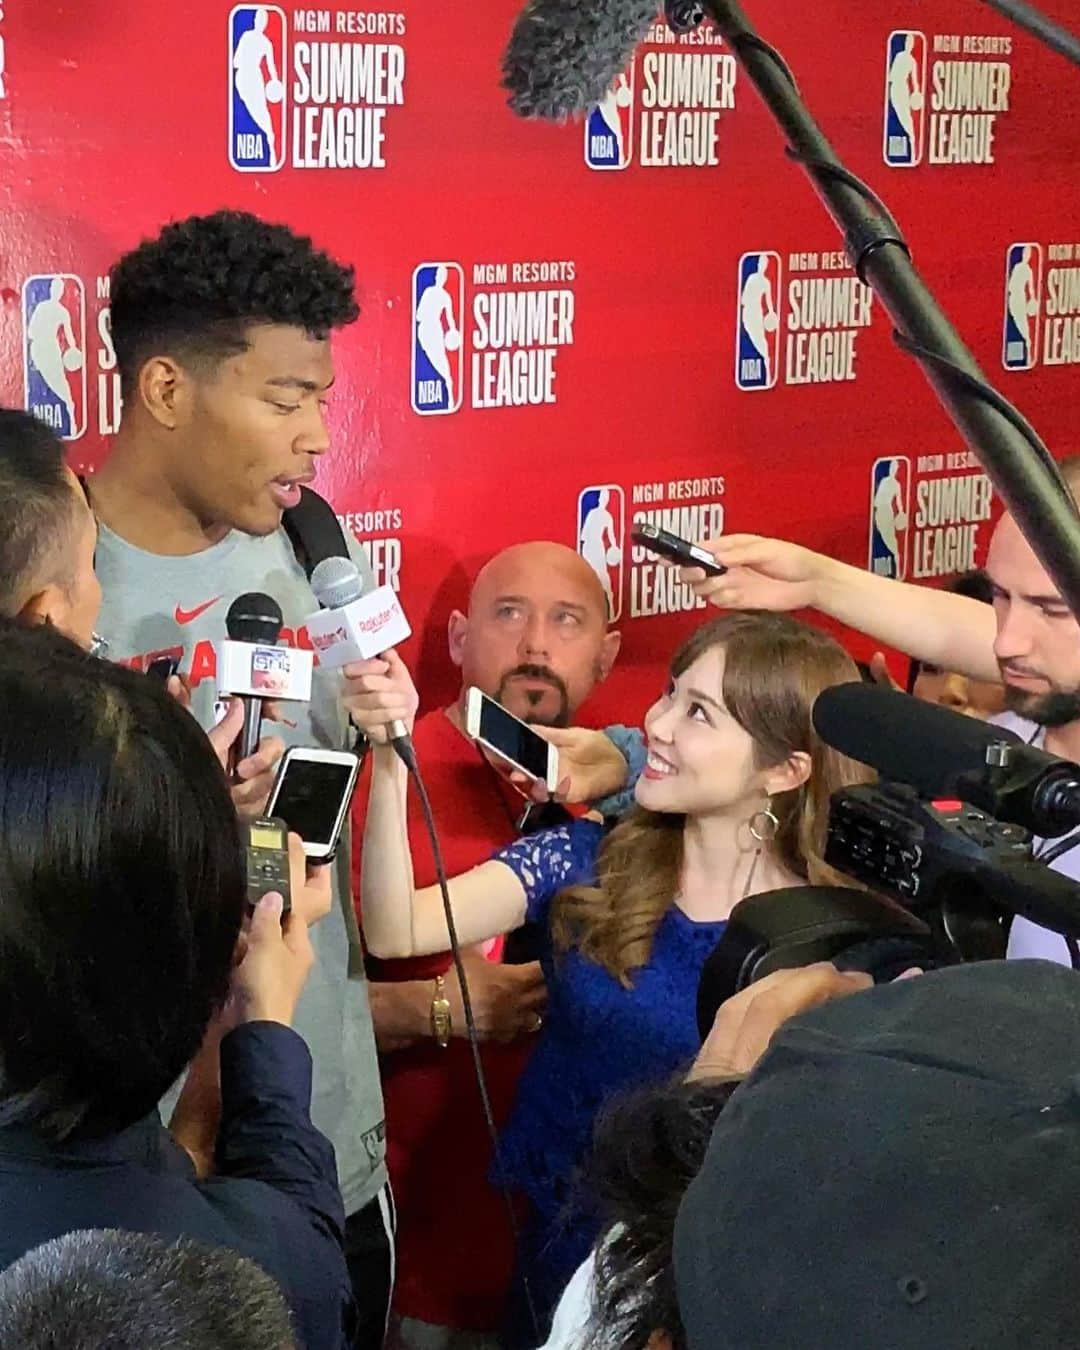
598 1038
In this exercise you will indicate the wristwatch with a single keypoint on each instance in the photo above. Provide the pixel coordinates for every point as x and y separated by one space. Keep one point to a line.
441 1022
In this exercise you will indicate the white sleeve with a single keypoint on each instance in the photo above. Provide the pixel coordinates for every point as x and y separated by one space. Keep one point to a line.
574 1310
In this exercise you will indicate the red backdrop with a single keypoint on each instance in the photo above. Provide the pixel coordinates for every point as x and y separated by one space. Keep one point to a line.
688 258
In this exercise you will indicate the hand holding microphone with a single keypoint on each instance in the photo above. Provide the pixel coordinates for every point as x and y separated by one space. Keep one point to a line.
254 776
352 629
253 668
380 696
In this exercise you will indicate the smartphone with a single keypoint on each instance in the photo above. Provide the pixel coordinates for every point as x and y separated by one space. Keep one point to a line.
311 794
268 861
511 739
163 668
676 550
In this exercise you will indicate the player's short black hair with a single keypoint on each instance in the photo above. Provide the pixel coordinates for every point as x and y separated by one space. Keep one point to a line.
197 288
37 506
99 1288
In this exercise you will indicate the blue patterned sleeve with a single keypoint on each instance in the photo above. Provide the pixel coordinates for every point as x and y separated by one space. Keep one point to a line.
630 743
547 862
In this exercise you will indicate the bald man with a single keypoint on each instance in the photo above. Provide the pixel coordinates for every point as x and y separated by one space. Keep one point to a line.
535 637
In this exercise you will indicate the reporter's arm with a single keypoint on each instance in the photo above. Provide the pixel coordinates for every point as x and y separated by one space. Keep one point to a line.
951 631
267 1136
935 626
266 1132
399 920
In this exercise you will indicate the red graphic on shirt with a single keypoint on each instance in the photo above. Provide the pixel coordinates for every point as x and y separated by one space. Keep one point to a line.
183 616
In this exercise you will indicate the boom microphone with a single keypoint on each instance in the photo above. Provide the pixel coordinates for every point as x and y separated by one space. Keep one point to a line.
564 54
683 16
354 625
942 753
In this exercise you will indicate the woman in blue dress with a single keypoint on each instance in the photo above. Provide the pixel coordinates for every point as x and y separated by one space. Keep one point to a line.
733 800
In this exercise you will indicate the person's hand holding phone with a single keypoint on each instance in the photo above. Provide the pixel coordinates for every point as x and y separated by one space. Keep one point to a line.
676 551
590 767
761 574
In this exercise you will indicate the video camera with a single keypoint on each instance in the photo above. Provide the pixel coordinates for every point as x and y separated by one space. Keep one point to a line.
944 843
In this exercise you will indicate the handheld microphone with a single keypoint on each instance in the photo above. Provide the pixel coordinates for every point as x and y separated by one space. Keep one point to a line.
941 753
251 667
354 625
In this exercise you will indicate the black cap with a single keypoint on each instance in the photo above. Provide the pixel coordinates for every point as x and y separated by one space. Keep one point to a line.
901 1171
254 617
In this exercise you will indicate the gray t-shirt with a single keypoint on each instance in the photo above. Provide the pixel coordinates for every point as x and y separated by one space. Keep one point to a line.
155 604
1028 939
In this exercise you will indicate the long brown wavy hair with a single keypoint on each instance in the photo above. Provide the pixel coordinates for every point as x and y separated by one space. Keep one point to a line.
774 668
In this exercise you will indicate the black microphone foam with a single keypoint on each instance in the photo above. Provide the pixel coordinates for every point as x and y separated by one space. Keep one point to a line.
564 54
254 617
904 739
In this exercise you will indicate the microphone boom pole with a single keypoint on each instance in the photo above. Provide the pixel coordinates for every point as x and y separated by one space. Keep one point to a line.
1027 481
1039 25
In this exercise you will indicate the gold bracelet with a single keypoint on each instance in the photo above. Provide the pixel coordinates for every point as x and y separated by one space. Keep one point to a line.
441 1022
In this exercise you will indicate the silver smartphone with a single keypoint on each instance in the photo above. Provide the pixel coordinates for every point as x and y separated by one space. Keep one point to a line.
311 794
490 725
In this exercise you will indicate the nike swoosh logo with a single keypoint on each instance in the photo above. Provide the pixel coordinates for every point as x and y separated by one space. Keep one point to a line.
183 616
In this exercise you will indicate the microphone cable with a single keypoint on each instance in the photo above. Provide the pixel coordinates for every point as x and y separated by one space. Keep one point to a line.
403 746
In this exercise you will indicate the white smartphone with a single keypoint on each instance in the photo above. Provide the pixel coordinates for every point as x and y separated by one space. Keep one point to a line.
511 739
311 794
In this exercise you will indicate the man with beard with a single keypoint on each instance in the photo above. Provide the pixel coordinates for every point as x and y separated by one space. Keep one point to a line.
536 639
1029 640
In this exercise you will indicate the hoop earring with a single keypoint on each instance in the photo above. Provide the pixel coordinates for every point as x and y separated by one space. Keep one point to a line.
764 824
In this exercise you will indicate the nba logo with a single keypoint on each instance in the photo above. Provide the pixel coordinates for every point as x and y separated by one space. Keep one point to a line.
438 298
601 517
757 333
256 88
905 98
1023 304
609 127
890 495
54 352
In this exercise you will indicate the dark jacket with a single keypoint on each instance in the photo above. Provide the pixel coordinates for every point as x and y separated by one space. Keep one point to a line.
274 1197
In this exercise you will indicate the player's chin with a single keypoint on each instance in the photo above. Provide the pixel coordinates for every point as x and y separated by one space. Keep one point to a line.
258 521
